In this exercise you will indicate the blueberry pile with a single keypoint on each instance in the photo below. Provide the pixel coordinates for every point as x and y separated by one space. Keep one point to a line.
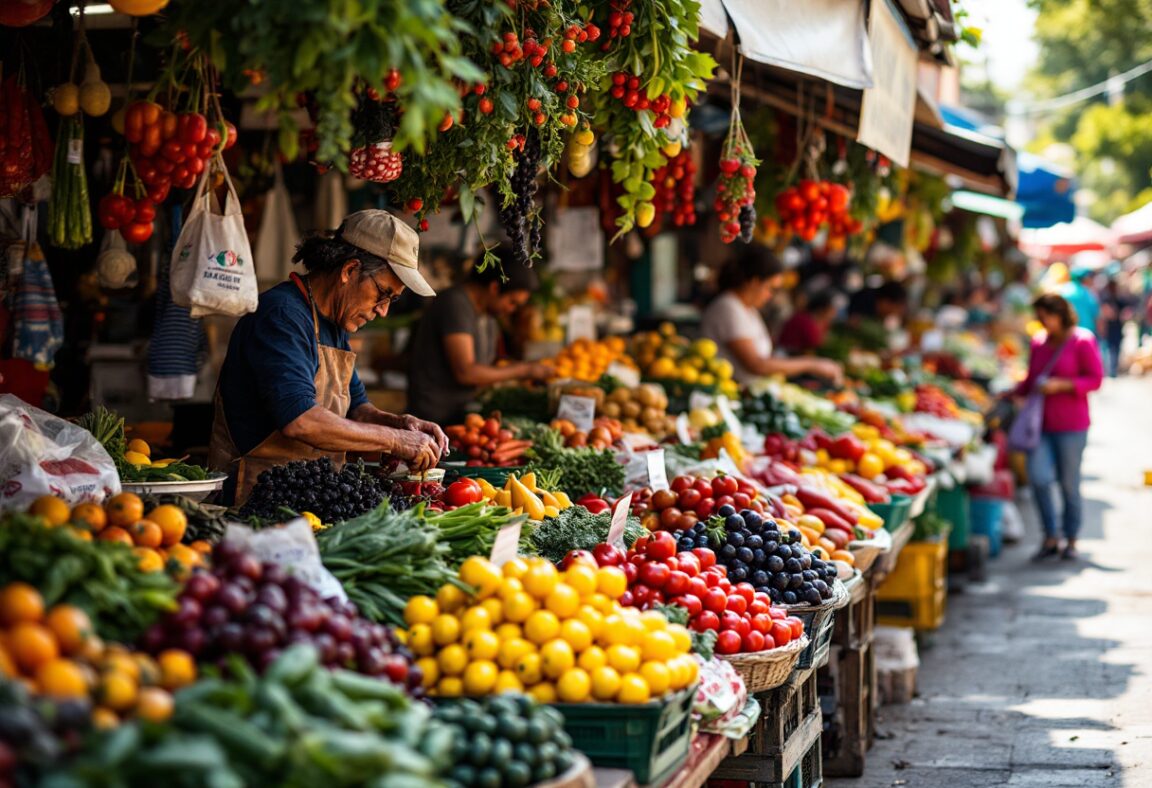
755 551
314 486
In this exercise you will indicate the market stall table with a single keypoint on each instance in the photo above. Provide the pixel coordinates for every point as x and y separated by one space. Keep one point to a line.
851 678
708 751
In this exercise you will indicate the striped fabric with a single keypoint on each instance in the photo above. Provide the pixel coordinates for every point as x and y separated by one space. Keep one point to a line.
35 312
173 354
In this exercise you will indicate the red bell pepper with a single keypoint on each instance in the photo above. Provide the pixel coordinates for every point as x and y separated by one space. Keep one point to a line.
817 499
594 504
831 520
848 447
873 493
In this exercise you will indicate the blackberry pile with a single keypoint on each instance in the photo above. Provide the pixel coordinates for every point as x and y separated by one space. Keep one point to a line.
747 223
756 551
520 219
315 486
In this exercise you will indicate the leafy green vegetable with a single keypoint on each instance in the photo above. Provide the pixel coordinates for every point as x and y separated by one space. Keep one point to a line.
581 470
578 529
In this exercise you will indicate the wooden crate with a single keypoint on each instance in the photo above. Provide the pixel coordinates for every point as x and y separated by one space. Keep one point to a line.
855 622
791 723
851 681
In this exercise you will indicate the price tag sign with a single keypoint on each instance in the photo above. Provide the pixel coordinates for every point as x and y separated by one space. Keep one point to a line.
507 543
75 151
620 514
729 417
581 323
683 429
292 547
625 374
657 471
581 411
700 400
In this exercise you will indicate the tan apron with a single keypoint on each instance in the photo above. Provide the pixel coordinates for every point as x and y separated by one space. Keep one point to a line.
333 376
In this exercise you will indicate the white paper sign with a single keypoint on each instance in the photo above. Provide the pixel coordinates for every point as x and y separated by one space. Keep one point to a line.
620 514
507 543
625 374
657 470
889 107
730 421
581 323
683 429
575 240
581 411
293 547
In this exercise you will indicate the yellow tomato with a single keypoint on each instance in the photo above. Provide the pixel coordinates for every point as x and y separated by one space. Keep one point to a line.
480 677
556 657
577 634
658 677
575 686
452 660
611 581
481 574
420 610
623 659
582 578
541 627
512 650
476 617
544 692
450 687
633 689
592 658
563 600
420 640
605 683
659 646
518 607
445 629
481 644
450 598
529 670
540 578
507 681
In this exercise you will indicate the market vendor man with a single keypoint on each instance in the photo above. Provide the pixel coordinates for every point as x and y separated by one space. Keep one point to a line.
288 388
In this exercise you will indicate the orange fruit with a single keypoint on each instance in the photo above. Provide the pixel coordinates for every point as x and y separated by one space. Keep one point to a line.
53 510
202 546
71 627
124 509
139 446
20 602
32 646
172 521
104 719
119 660
81 533
8 667
188 557
177 669
90 513
118 691
148 667
149 559
155 705
62 678
115 533
147 534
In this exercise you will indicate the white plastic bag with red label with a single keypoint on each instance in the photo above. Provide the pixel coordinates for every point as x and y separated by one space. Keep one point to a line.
41 454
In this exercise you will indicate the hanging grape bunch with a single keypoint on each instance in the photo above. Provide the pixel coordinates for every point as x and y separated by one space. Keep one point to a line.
372 157
518 213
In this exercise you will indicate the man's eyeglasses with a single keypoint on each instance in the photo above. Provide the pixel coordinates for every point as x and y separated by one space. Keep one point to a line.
384 295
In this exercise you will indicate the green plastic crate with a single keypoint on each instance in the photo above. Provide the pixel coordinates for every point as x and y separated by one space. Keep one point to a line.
895 514
494 476
953 505
652 741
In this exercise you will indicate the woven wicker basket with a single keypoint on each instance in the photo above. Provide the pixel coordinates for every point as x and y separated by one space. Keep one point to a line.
818 622
867 551
765 670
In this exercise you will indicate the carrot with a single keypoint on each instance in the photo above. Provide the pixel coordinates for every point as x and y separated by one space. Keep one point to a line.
455 430
512 444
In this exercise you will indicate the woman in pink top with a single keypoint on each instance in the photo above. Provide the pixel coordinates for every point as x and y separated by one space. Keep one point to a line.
1076 372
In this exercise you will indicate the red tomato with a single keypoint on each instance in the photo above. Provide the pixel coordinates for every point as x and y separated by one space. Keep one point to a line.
707 557
724 500
661 545
656 597
724 485
689 498
715 600
689 563
728 643
698 586
762 624
136 232
680 483
705 508
686 521
725 584
741 501
676 584
669 518
640 595
746 590
721 570
797 626
691 603
630 571
663 499
607 555
781 633
760 596
654 574
704 486
463 492
758 608
705 621
777 613
753 641
712 579
737 604
639 545
626 599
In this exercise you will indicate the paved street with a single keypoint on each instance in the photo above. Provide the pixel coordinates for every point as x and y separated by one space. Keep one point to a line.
1043 676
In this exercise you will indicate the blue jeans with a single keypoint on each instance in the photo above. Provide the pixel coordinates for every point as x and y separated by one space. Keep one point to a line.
1057 459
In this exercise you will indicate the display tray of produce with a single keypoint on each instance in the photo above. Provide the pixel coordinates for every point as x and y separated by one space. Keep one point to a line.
199 490
494 475
867 551
652 740
765 670
920 499
895 513
818 621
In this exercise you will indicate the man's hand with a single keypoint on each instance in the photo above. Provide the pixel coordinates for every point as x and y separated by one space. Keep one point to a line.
429 428
419 450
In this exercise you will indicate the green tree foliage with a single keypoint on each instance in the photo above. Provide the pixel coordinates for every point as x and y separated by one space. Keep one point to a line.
1083 42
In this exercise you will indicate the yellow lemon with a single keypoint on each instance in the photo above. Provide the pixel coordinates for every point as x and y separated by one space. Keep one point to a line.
592 658
658 677
420 610
688 374
705 348
575 686
452 660
542 626
633 689
663 368
556 657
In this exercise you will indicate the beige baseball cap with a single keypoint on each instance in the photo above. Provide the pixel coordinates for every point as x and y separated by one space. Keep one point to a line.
382 234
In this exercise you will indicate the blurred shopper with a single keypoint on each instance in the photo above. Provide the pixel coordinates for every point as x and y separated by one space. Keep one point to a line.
1116 309
1083 299
1064 366
805 331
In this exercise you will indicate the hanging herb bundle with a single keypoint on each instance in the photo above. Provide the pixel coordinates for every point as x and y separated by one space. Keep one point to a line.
69 214
735 190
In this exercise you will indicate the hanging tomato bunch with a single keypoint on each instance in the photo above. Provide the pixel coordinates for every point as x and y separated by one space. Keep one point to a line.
811 205
735 189
676 189
131 215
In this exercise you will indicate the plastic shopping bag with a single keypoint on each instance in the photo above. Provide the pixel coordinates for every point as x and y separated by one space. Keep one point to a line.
212 272
41 454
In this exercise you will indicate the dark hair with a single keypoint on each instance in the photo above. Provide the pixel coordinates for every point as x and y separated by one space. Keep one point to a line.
819 301
756 261
1057 305
325 252
508 274
892 292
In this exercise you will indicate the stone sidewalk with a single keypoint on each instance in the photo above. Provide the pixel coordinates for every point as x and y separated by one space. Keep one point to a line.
1041 676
